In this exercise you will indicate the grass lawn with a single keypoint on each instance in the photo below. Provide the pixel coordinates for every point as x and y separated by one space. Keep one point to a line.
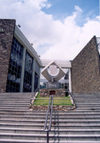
56 101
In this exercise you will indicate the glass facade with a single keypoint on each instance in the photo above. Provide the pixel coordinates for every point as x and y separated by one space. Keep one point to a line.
27 86
14 83
15 67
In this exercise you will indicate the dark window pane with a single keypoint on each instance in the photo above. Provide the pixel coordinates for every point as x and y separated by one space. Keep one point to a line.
36 81
15 66
27 86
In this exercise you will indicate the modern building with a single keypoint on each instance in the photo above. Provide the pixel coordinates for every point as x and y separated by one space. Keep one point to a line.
19 62
84 71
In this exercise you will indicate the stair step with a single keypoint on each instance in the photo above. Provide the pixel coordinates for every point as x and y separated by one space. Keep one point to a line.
18 124
42 141
85 137
25 117
52 132
55 121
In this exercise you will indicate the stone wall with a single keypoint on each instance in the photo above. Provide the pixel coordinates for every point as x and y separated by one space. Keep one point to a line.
55 92
6 36
86 69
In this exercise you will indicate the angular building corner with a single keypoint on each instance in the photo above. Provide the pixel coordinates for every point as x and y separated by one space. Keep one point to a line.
6 37
86 69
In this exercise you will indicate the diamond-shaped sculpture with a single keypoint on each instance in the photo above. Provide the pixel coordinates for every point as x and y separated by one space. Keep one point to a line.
52 72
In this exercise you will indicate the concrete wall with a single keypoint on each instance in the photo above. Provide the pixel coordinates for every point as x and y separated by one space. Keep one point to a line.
6 37
86 69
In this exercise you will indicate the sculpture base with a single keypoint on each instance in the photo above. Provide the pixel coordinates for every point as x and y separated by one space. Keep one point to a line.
52 91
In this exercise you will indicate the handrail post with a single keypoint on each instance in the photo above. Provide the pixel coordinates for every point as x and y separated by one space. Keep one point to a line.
47 136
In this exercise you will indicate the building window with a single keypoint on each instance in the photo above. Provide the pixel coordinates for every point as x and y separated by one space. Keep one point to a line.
27 86
15 67
36 82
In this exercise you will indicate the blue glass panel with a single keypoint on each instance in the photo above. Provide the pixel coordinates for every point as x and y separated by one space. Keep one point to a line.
27 86
15 67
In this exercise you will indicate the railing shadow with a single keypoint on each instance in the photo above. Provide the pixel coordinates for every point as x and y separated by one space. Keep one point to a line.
48 121
56 127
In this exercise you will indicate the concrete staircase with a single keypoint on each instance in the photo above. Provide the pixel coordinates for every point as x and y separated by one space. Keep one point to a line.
20 125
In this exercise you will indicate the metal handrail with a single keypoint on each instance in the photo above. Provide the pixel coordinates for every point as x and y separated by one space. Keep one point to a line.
47 127
32 98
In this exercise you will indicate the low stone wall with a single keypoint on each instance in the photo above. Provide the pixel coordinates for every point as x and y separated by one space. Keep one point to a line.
55 92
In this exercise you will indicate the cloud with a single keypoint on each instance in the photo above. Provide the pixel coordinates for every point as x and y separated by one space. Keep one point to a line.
60 39
78 9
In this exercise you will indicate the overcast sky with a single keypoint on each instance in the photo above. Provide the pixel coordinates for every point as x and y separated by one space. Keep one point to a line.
58 29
